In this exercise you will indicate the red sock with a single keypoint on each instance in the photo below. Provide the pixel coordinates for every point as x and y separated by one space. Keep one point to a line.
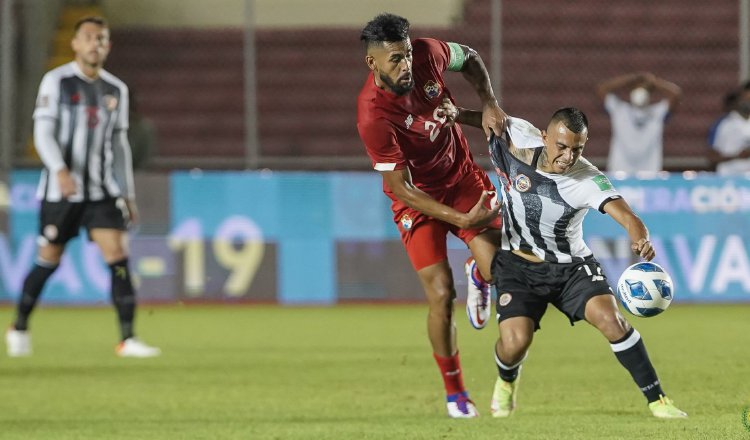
478 275
450 369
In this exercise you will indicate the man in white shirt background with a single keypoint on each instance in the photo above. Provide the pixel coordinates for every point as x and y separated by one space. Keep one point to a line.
730 139
638 123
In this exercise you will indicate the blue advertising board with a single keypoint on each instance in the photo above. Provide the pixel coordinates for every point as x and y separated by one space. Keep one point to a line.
284 236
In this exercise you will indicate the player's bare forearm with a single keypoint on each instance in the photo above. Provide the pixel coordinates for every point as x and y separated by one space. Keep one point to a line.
469 117
475 72
636 229
400 183
417 199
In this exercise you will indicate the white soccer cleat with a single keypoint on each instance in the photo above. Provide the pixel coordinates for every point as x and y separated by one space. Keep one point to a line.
461 407
132 347
477 297
18 342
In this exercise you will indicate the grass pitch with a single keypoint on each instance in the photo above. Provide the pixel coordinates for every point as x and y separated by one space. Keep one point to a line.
362 372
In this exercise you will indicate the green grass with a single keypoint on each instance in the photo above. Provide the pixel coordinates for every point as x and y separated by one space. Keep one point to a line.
360 372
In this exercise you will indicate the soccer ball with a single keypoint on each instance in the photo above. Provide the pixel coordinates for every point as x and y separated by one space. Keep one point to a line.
645 289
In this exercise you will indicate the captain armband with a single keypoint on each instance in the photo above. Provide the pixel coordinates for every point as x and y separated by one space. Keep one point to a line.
457 57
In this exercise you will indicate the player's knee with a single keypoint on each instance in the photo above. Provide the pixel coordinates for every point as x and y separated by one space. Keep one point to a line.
611 324
515 342
441 296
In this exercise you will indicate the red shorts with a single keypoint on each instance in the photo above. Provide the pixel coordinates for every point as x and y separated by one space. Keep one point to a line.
424 237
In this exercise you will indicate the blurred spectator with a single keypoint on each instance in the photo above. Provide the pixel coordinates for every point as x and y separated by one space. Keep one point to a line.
637 124
141 134
728 104
729 137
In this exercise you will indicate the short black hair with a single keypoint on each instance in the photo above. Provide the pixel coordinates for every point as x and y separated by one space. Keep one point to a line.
730 100
385 28
574 119
101 21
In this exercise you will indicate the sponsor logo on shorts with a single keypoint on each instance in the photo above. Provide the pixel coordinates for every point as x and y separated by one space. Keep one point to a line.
406 222
50 232
522 183
505 299
432 89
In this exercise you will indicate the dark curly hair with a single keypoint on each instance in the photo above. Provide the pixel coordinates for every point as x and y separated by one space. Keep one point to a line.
385 28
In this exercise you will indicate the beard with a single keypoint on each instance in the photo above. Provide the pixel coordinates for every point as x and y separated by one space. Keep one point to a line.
398 89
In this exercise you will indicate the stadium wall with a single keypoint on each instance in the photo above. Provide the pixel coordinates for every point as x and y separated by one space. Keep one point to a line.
274 13
324 238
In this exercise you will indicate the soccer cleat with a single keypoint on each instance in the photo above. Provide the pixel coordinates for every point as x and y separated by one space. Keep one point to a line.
504 398
461 407
664 409
477 298
132 347
18 342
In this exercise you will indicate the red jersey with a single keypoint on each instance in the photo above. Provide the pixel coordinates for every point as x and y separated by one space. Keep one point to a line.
404 131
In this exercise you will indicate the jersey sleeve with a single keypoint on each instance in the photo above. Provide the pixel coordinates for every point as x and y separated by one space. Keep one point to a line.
721 135
382 146
47 100
445 56
123 109
599 190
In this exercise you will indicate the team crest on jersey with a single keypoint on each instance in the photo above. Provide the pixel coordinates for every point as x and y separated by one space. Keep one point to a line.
522 183
504 299
406 222
110 102
432 89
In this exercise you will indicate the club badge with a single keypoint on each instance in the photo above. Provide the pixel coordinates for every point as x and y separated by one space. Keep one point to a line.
504 299
432 89
522 183
406 222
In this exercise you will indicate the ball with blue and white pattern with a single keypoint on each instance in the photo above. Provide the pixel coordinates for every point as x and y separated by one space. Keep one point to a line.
645 289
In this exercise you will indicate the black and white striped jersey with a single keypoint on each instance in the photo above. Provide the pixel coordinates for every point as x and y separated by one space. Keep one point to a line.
81 124
543 212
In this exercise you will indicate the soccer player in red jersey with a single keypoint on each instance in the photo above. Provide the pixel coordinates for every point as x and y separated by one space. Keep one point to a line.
407 120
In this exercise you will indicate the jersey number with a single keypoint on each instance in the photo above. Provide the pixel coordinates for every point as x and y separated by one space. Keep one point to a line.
597 277
434 127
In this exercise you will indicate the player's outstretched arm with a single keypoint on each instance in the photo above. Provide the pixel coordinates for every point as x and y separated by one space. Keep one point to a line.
622 213
400 183
475 72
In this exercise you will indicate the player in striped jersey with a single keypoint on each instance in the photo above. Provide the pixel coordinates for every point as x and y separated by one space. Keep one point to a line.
80 132
547 190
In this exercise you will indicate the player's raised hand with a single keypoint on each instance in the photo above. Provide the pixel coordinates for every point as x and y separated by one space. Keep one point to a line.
644 249
448 111
480 215
493 119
